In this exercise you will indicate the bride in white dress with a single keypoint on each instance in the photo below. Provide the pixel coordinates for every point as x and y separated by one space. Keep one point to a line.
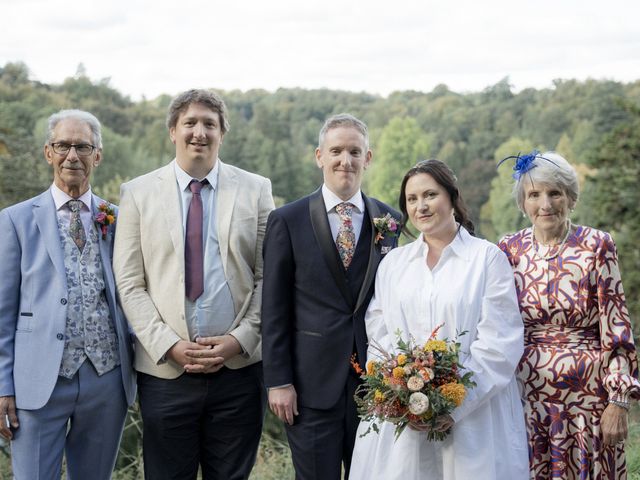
449 276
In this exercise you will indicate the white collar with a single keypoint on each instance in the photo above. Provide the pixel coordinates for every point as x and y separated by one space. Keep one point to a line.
459 246
184 179
61 198
331 199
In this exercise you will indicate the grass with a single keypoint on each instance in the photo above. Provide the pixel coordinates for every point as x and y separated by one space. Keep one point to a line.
274 458
273 461
633 444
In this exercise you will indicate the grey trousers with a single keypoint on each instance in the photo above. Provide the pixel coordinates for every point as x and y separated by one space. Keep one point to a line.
83 419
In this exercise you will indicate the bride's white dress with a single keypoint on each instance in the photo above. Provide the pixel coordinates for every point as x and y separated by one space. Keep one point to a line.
470 289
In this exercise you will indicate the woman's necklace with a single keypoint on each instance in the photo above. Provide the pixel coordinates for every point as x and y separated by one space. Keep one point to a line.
559 246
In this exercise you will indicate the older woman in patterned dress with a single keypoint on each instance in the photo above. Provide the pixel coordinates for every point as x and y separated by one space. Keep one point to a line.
579 369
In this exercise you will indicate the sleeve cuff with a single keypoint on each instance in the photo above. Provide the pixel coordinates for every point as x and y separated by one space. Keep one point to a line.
163 358
277 387
243 353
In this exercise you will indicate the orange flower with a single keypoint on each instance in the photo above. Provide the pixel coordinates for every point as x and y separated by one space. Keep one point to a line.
426 374
356 366
454 392
434 333
398 372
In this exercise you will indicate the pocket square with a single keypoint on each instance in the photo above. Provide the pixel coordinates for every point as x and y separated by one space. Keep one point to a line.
385 249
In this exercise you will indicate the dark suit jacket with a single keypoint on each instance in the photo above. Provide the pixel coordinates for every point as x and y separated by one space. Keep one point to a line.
310 317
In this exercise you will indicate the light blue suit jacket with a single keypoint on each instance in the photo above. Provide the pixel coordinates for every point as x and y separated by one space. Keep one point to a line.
33 302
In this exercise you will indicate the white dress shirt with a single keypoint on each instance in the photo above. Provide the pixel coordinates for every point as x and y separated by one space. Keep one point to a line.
330 202
60 200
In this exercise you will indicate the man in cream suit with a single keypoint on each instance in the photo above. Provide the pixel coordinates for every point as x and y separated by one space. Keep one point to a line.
188 265
66 373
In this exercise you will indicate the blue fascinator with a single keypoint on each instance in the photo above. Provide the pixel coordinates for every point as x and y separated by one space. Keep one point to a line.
524 163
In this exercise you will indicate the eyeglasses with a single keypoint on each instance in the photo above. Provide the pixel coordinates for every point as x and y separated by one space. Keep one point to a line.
82 149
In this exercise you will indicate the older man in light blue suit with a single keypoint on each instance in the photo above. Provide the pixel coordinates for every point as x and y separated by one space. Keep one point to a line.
66 374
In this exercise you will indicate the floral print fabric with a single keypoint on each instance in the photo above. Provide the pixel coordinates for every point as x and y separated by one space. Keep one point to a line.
89 332
579 352
346 238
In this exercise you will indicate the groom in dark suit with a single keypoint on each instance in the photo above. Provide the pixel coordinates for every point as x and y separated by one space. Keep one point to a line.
320 259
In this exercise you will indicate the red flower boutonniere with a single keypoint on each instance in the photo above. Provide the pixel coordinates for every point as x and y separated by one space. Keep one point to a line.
386 225
106 216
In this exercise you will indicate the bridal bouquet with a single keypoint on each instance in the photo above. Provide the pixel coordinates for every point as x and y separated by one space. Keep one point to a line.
416 383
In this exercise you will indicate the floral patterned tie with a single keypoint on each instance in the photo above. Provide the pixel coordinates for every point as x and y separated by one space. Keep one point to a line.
346 238
76 230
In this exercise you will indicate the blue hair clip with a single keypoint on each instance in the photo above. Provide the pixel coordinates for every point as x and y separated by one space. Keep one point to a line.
524 163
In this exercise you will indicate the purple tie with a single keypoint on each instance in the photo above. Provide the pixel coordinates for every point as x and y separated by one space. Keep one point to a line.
193 251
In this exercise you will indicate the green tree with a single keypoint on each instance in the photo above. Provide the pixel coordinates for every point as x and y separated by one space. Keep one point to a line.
500 215
24 171
612 200
402 143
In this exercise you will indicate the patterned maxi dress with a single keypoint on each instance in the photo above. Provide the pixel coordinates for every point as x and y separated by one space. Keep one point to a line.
579 352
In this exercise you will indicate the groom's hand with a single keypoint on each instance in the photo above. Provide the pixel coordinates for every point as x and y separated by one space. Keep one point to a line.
283 401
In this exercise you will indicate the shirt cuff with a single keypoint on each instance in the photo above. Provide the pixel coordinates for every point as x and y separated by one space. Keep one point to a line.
277 387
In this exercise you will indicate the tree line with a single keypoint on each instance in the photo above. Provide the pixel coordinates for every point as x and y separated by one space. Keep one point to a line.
595 124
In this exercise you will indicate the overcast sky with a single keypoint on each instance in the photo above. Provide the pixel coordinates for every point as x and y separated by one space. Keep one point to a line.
153 47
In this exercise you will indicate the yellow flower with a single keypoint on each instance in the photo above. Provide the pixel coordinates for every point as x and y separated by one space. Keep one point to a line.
370 367
402 359
378 396
110 219
398 372
454 392
435 346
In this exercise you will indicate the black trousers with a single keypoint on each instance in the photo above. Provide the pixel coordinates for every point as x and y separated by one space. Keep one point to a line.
322 440
213 420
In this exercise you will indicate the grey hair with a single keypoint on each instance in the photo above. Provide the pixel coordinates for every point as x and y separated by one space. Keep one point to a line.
211 100
343 120
555 170
80 115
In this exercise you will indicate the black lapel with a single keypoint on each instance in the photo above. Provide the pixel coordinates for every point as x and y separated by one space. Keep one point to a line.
372 211
322 232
